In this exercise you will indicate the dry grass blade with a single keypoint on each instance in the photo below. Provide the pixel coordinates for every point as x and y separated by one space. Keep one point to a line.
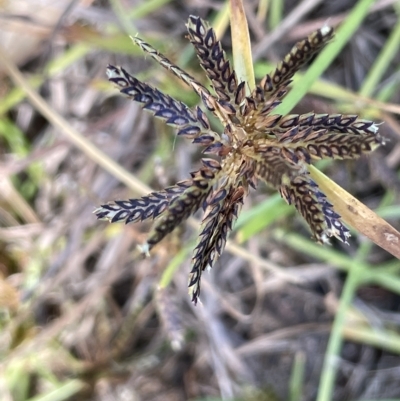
58 121
242 59
9 194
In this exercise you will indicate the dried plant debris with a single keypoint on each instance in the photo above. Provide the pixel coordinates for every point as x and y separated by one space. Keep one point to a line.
255 145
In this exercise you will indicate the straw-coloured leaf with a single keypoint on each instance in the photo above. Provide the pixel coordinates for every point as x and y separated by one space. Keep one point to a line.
242 59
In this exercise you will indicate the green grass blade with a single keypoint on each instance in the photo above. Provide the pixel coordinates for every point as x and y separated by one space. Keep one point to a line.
63 392
177 260
260 217
389 51
275 13
326 254
297 377
329 369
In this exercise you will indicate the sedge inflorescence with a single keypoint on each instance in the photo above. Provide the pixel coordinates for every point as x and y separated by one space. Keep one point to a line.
255 144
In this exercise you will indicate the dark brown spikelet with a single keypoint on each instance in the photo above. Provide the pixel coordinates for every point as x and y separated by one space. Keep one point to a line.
222 210
312 204
254 145
274 86
201 90
182 206
146 207
300 54
173 112
212 58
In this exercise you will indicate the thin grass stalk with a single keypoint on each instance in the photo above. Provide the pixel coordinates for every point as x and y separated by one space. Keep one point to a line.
389 51
329 369
177 260
303 245
63 391
221 21
389 281
262 10
275 13
384 339
145 8
74 136
297 376
17 94
123 18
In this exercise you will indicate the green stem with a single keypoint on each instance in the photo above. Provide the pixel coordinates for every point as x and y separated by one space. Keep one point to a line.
170 270
297 377
329 369
389 51
275 13
389 281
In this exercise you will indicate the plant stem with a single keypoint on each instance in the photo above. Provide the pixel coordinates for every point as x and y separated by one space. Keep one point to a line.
329 370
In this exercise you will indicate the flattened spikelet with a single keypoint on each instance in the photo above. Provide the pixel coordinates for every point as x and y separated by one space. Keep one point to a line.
146 207
173 112
300 54
201 90
312 204
183 206
213 60
223 209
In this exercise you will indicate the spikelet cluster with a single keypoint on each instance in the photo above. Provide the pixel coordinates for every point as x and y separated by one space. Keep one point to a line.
255 144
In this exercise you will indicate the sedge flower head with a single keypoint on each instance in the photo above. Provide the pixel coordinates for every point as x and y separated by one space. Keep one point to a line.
254 145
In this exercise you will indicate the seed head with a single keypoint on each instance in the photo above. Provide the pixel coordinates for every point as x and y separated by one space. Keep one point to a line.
255 144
